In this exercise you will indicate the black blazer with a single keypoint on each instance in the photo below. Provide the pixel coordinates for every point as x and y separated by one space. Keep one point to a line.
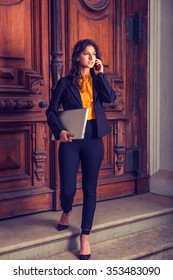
67 95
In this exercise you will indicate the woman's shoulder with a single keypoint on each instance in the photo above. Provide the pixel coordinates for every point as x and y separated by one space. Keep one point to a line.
65 80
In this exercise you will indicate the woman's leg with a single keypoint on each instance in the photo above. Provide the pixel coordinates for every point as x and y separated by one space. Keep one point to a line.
64 221
68 167
85 251
91 158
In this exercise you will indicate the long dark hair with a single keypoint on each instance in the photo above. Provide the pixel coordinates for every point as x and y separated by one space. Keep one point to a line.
75 67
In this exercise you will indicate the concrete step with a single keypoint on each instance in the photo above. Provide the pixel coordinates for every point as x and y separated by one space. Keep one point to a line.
35 236
151 244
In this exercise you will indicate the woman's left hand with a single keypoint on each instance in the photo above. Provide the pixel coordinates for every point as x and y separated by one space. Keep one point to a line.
98 67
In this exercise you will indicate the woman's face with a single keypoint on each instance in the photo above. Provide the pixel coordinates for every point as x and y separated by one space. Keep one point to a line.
87 57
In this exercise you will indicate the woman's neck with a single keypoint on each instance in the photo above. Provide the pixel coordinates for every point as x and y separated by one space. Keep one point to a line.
84 71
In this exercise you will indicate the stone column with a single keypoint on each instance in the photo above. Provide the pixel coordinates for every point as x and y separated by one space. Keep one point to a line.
161 97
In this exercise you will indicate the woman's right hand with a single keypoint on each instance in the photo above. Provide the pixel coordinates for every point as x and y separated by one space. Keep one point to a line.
65 136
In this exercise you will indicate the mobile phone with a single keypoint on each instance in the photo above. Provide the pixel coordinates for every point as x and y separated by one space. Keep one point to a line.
96 67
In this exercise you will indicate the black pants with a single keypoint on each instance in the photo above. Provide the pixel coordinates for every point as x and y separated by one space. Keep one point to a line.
89 152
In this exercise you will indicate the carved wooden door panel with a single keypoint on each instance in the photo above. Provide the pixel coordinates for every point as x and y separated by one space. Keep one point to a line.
119 27
24 91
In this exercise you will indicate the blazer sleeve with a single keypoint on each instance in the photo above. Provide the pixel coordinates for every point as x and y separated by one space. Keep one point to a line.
54 105
106 92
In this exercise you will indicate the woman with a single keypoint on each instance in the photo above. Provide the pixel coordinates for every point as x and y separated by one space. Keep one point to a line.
85 87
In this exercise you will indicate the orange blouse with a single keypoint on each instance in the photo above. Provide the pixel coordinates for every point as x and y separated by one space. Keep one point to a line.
86 93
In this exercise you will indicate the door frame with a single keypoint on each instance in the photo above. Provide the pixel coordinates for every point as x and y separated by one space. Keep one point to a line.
136 47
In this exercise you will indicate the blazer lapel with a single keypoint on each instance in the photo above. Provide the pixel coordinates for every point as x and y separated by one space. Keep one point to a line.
76 93
95 93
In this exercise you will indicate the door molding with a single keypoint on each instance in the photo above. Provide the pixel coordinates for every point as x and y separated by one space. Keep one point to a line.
154 86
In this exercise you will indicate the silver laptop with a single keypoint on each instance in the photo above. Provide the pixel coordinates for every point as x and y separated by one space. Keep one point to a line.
74 121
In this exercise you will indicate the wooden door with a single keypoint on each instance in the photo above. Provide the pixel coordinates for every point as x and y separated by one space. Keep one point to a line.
29 180
24 92
119 27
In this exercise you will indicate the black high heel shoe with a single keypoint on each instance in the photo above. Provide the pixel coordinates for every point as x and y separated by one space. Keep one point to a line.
82 256
61 227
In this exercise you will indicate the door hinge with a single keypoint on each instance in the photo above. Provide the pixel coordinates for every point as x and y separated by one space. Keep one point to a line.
134 28
133 160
